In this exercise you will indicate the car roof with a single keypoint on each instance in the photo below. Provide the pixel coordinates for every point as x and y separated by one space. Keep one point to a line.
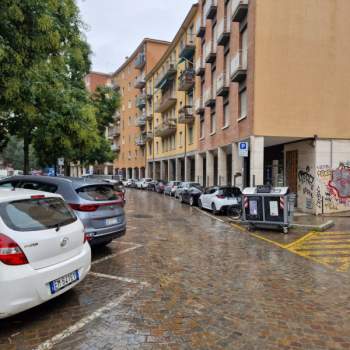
76 182
9 194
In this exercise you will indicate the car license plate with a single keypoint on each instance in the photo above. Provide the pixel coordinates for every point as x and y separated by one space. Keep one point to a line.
235 201
112 221
64 281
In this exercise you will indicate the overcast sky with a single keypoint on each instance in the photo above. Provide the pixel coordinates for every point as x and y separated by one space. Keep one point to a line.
116 27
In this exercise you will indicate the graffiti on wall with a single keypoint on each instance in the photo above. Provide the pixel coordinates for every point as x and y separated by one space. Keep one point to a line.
306 185
333 191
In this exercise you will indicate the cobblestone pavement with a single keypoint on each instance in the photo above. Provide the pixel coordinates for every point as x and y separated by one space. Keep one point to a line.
180 279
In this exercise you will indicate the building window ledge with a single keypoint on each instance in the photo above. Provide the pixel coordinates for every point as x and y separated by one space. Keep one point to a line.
225 127
241 118
201 138
212 133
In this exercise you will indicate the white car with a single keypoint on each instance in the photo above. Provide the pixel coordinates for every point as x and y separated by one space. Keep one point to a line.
143 183
43 249
219 198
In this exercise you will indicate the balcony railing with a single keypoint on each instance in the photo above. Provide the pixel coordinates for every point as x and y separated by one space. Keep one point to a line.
113 132
141 101
186 115
223 84
239 9
200 27
140 82
239 66
141 121
209 97
186 80
140 60
210 8
115 147
224 29
200 66
187 46
210 52
168 74
140 140
167 101
167 128
199 106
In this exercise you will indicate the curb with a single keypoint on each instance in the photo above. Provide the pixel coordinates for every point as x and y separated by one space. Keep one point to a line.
318 228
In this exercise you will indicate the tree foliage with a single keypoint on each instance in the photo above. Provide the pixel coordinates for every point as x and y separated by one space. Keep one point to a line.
44 59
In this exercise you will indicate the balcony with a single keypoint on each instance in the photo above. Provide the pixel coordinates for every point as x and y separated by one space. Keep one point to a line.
115 147
149 116
141 101
116 116
239 66
187 47
210 52
167 128
223 84
209 98
186 80
186 115
200 27
141 121
168 75
199 107
149 136
140 82
200 66
224 29
210 8
140 61
168 100
239 9
113 132
140 141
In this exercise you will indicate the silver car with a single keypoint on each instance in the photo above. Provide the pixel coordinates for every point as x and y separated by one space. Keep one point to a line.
95 202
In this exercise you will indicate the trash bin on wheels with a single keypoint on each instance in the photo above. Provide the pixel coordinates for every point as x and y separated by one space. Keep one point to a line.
268 207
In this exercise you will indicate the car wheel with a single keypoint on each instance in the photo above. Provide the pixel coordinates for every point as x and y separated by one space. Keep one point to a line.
213 208
191 201
200 205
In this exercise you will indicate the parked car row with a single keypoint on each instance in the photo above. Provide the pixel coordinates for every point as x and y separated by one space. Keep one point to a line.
218 199
46 225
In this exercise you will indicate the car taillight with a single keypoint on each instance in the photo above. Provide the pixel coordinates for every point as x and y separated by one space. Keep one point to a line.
220 196
10 252
87 237
84 207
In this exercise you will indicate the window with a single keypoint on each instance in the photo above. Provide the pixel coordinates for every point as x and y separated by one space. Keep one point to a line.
135 153
36 214
190 135
97 193
157 147
226 117
213 83
123 107
150 148
37 186
243 104
212 123
129 121
201 129
129 104
129 86
180 139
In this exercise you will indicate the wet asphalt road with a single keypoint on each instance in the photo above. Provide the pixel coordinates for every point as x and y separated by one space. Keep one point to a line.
182 280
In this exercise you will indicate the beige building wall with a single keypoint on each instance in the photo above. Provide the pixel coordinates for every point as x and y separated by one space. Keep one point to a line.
302 75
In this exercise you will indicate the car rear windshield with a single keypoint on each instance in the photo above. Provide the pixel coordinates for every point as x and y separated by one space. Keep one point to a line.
97 193
230 192
36 214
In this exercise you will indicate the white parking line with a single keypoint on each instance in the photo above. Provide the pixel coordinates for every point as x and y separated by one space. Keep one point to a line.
210 215
49 344
119 278
116 254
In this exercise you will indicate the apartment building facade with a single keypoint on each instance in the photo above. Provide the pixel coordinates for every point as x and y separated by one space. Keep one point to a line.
129 131
172 129
262 80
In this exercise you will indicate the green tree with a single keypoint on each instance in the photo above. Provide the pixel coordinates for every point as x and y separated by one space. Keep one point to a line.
43 59
13 154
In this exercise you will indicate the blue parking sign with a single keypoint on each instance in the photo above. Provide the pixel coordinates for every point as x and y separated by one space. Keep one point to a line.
243 149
